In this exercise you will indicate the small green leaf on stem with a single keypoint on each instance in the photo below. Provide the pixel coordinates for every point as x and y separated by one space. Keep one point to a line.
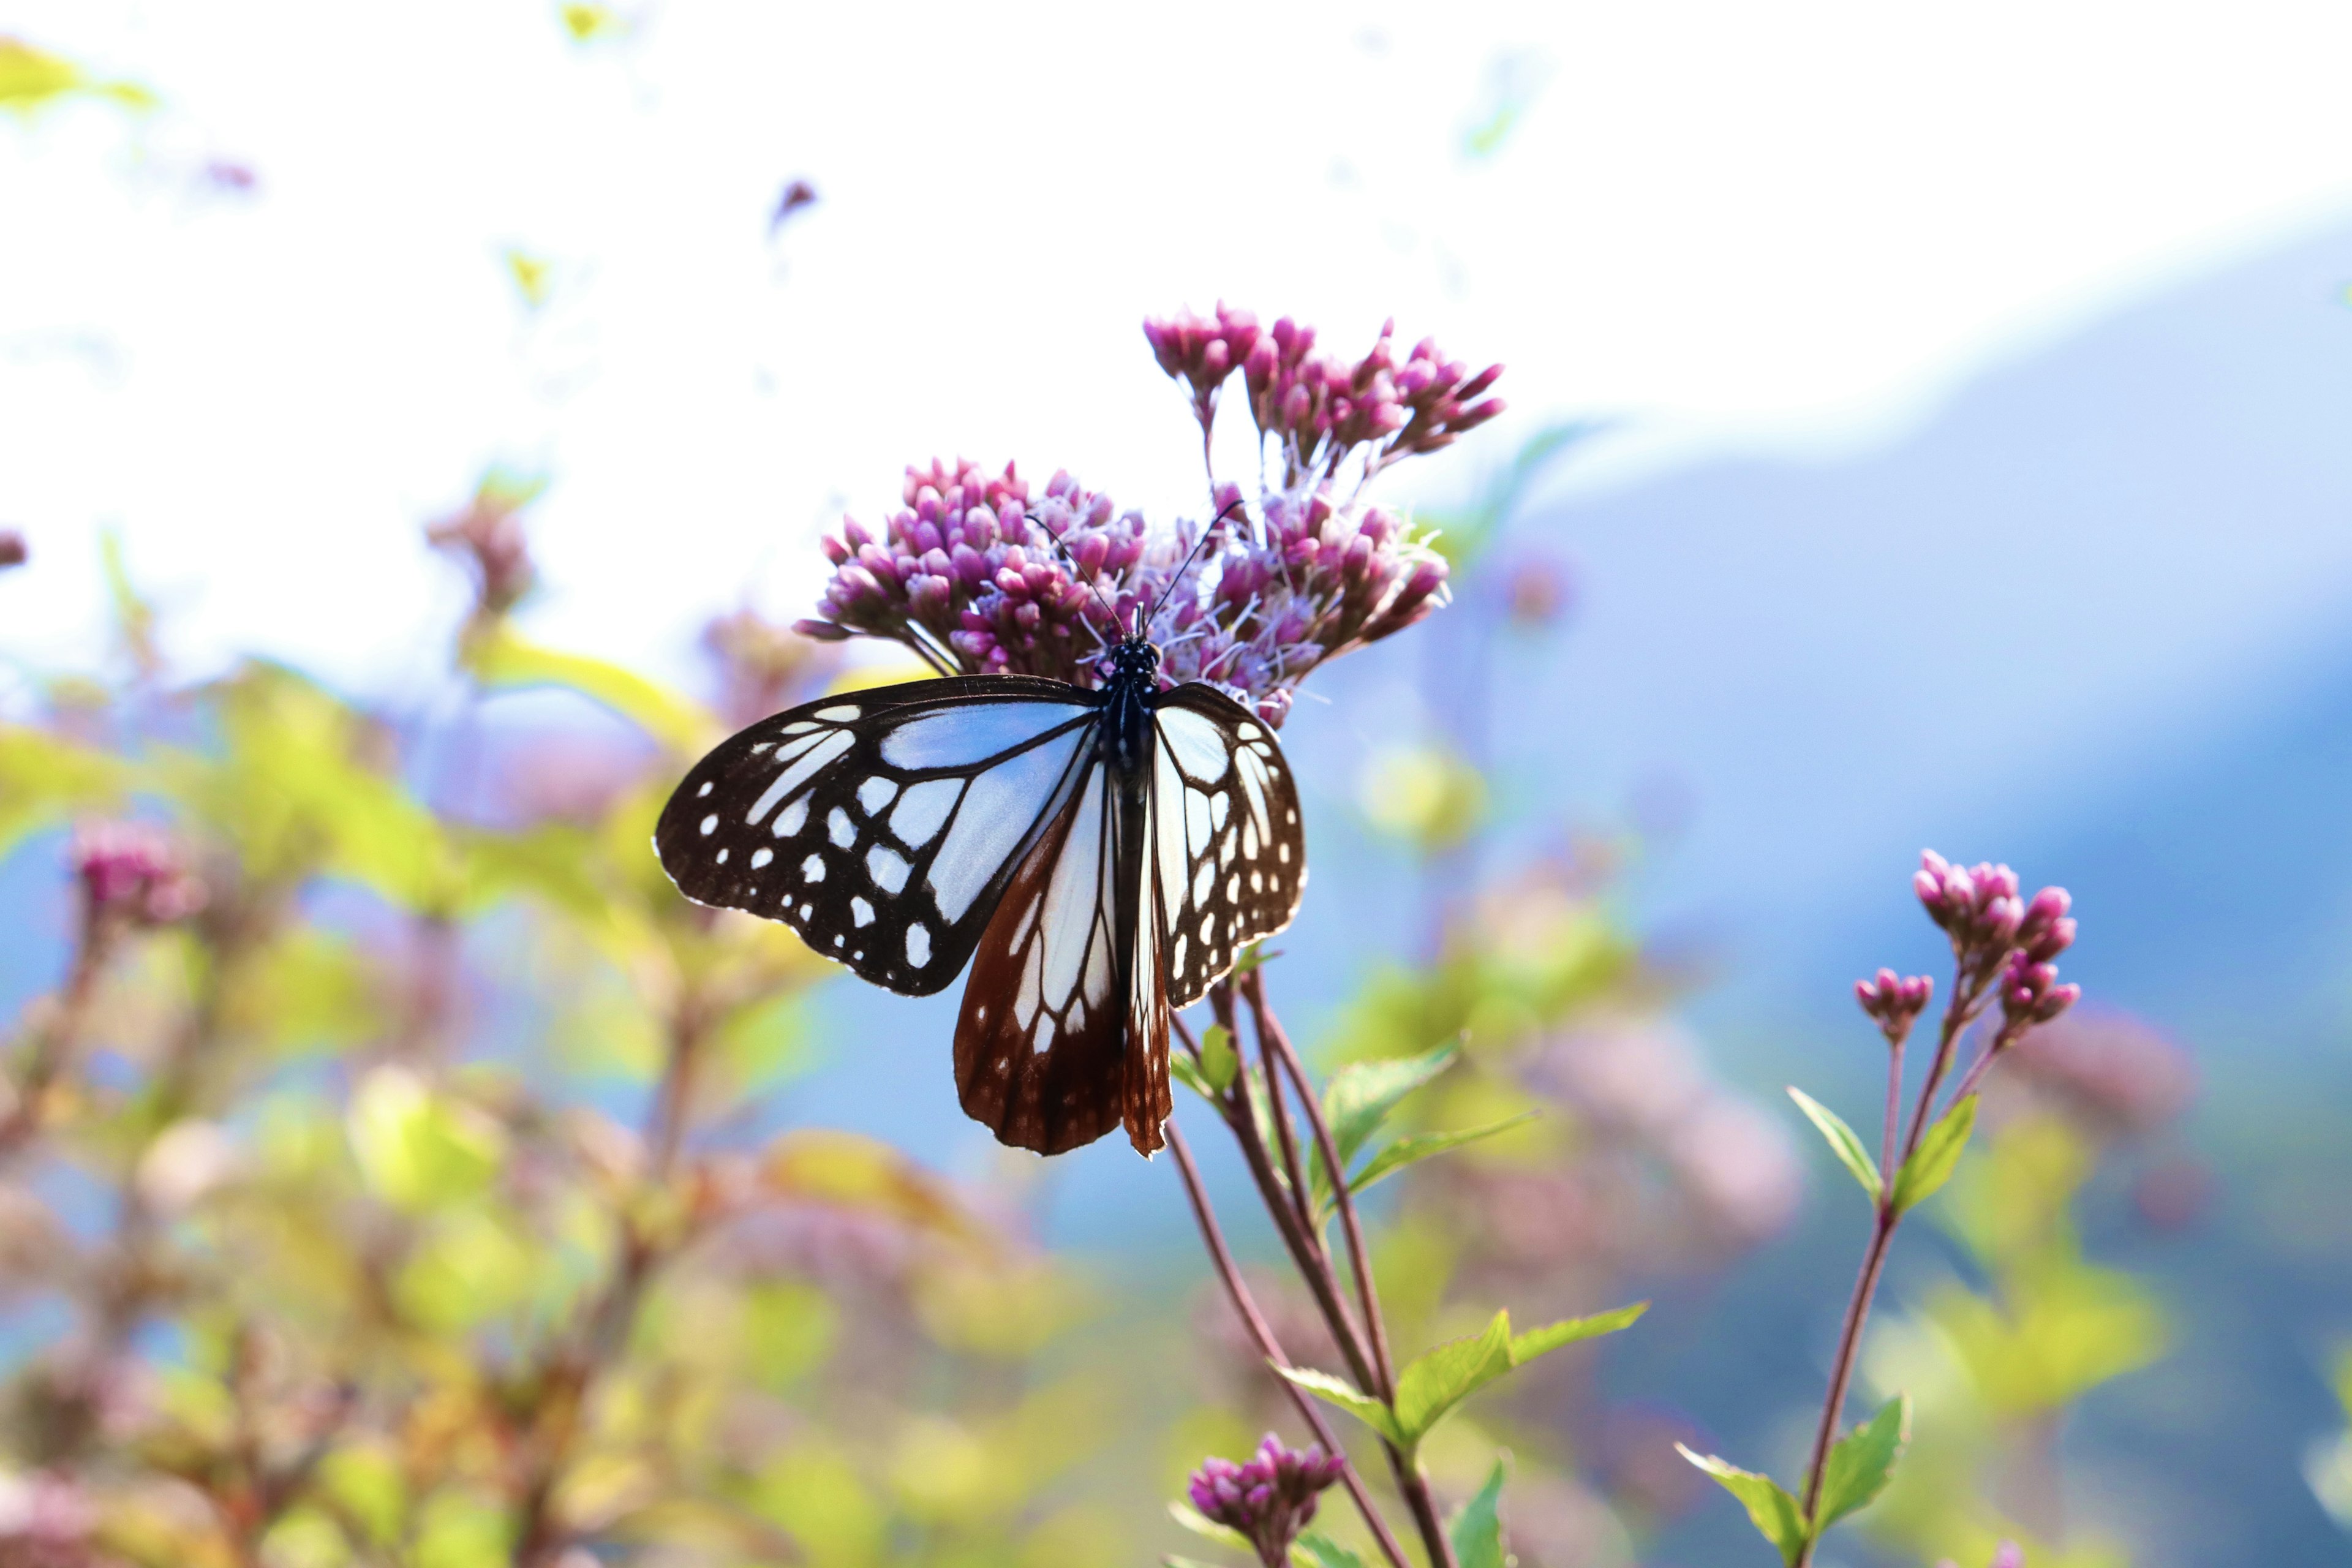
1930 1166
1441 1378
1362 1407
1476 1528
1185 1070
1202 1525
1219 1061
1313 1549
1843 1142
1526 1347
1775 1512
1361 1094
1859 1466
1391 1158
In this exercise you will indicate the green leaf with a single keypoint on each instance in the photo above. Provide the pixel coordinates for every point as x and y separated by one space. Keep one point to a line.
1443 1377
1391 1158
1208 1529
1360 1095
43 779
1476 1528
1930 1166
502 660
418 1151
1313 1549
1843 1142
1219 1061
1774 1512
1526 1347
1181 1068
1362 1407
1859 1466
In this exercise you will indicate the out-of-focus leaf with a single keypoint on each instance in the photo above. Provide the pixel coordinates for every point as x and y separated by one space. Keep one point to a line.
1180 1068
502 661
418 1150
826 1165
1774 1513
588 22
1313 1549
307 990
461 1530
1391 1158
370 1488
1426 795
1006 1308
1362 1407
468 1268
1208 1529
1940 1151
1476 1528
1860 1463
1842 1142
1219 1061
815 1494
532 276
32 79
43 779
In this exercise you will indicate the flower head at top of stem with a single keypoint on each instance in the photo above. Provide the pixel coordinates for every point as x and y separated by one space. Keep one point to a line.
134 873
1895 1002
12 549
1269 1498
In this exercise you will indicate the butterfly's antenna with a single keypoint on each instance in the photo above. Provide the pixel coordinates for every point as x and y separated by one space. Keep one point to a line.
1231 508
1092 580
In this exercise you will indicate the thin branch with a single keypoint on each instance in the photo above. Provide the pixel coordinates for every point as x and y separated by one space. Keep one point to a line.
54 1046
1254 1322
1273 1040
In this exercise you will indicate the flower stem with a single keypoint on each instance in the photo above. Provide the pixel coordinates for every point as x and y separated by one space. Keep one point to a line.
1254 1322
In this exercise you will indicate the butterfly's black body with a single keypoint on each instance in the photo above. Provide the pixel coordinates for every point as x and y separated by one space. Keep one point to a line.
1106 853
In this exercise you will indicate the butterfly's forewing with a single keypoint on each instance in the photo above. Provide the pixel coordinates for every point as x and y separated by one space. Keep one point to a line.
1041 1045
882 825
1230 851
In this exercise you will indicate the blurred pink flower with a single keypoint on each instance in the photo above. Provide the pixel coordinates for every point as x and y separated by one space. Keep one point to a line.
133 872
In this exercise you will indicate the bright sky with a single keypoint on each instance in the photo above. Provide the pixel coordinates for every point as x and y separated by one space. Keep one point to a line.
1788 225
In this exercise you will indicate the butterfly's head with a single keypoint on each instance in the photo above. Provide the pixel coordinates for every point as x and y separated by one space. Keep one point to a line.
1135 659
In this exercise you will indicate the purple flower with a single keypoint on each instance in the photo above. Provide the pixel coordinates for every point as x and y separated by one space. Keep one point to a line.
487 534
1203 352
12 548
2004 948
1895 1002
132 872
1270 1497
763 665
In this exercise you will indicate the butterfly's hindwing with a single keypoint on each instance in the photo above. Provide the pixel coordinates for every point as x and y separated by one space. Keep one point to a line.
884 825
1040 1044
1228 844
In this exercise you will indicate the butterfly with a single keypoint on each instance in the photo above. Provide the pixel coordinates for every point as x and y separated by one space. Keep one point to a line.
1106 852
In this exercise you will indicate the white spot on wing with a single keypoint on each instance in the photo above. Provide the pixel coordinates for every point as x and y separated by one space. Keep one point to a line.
824 751
861 915
761 857
999 809
1196 820
722 857
1024 1006
800 726
839 828
840 712
1220 807
969 732
874 794
887 869
919 944
1098 972
708 823
922 809
1176 957
703 791
1168 829
1043 1040
1071 897
1199 744
812 869
1204 882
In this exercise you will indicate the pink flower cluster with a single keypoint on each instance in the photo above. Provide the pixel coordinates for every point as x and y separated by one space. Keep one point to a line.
487 534
132 872
1319 408
1894 1001
2000 942
1269 1499
976 573
976 577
